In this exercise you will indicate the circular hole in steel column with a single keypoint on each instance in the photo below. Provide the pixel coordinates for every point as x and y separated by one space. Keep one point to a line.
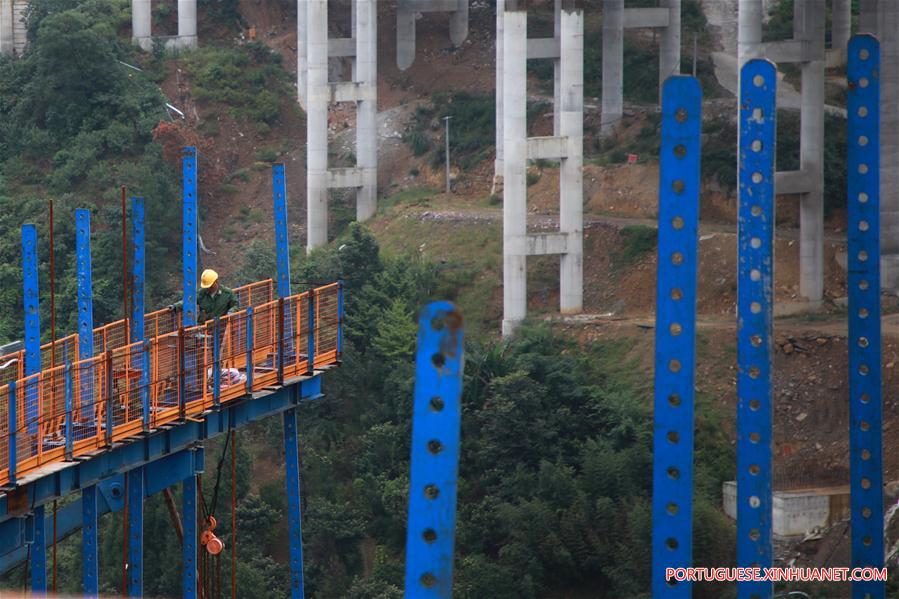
863 285
754 469
438 360
758 81
755 242
673 437
756 340
864 426
863 54
757 177
862 140
674 366
681 115
428 580
862 197
862 169
435 446
756 210
673 473
754 405
862 312
866 541
863 225
864 398
754 372
672 509
429 535
432 491
754 534
863 82
677 258
863 342
862 111
866 483
680 150
436 404
671 543
676 294
758 115
866 455
754 501
863 370
866 512
754 437
755 307
756 145
755 274
677 186
675 329
678 223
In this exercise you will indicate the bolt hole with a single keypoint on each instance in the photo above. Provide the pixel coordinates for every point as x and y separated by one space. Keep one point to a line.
681 115
680 150
671 543
673 473
676 294
438 360
438 322
674 400
428 580
678 186
429 535
672 509
673 437
432 491
754 405
436 404
435 446
758 81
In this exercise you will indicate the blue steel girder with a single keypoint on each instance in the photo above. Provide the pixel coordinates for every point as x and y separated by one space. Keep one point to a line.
31 300
189 235
136 496
755 285
294 520
85 300
189 545
436 421
282 245
41 488
672 498
90 552
138 269
863 232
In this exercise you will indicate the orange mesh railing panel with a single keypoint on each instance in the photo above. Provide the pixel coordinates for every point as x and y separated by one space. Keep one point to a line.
127 388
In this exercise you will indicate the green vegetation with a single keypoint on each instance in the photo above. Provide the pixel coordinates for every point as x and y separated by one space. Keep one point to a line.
532 177
249 80
76 124
636 242
471 128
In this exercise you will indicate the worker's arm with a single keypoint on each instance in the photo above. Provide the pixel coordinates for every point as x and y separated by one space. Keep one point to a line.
232 305
176 306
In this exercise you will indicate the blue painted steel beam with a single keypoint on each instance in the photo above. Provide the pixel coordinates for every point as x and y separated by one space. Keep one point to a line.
32 308
90 554
436 423
189 234
136 532
85 300
160 474
865 400
672 500
294 520
189 547
282 247
39 552
755 288
155 446
291 438
138 269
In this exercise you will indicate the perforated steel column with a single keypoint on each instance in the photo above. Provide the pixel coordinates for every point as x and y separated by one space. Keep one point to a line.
436 423
672 501
865 404
755 276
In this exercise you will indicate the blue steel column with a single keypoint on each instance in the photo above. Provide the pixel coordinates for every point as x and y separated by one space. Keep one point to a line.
865 403
89 548
672 497
189 547
189 232
136 476
436 420
291 437
32 366
136 532
294 521
13 431
755 278
85 304
279 196
138 280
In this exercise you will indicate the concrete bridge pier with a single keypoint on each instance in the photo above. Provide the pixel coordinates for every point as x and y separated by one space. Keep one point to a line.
567 48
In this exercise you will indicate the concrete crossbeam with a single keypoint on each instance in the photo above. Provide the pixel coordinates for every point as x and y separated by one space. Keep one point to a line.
406 13
543 47
794 51
341 47
787 182
547 148
341 178
547 244
352 91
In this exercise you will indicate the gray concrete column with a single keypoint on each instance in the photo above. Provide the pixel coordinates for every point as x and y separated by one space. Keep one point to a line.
301 53
458 23
882 18
367 109
405 34
749 31
7 43
841 29
612 65
669 43
557 69
571 194
317 98
514 169
187 23
498 163
808 19
141 23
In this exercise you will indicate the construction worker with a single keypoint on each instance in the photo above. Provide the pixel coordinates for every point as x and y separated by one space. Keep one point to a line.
214 299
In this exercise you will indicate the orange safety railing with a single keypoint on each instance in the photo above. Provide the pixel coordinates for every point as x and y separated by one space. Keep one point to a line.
77 407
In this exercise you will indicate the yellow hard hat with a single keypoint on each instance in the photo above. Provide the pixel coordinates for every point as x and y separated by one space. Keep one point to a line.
208 278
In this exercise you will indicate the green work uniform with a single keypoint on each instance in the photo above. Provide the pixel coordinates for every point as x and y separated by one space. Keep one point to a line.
212 305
